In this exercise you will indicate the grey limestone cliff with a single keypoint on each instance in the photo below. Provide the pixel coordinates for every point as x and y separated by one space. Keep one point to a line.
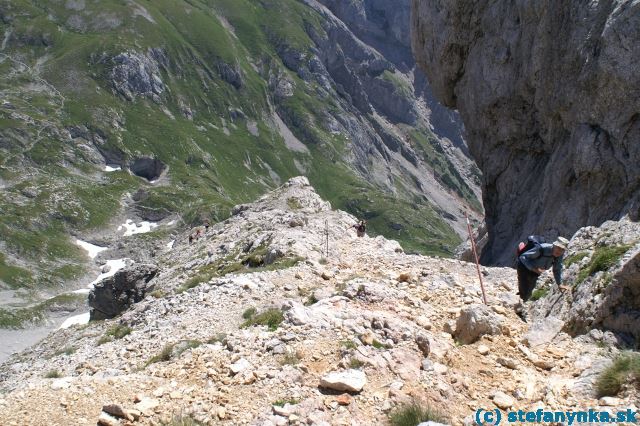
384 26
549 95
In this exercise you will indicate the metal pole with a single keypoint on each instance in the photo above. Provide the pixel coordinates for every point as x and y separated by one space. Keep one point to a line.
475 256
326 233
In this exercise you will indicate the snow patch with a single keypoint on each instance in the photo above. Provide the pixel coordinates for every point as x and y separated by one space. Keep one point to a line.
108 168
170 244
132 228
114 266
173 222
92 250
76 320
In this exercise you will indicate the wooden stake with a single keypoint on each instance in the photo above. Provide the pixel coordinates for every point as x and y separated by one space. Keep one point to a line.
475 256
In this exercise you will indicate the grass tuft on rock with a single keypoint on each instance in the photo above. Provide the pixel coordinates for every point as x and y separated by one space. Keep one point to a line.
293 203
283 402
602 259
194 282
164 355
253 262
52 374
249 313
119 331
218 338
415 413
348 344
67 350
158 294
625 368
186 345
173 350
539 293
182 420
575 258
355 363
116 332
272 318
379 345
606 257
290 359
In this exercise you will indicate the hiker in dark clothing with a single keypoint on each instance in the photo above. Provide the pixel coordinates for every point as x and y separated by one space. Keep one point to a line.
535 261
361 228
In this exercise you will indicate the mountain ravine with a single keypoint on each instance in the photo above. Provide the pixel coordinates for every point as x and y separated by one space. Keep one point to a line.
549 95
123 117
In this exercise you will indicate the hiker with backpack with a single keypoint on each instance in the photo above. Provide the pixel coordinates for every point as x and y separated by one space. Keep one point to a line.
361 228
534 257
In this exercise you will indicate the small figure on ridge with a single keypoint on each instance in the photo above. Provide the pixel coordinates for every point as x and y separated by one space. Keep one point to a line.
361 228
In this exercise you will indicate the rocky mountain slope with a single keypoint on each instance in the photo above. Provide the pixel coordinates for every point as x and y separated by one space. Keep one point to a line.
602 265
254 323
169 113
548 92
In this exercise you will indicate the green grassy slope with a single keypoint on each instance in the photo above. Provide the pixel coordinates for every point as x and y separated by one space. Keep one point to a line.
56 64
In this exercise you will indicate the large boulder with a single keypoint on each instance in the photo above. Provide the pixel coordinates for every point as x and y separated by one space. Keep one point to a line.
475 321
117 293
344 381
543 331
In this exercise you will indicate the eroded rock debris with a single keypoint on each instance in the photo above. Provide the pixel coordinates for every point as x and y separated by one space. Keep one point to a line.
306 338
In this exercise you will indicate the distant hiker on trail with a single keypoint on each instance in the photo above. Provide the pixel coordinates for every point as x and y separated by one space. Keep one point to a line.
361 228
196 233
534 258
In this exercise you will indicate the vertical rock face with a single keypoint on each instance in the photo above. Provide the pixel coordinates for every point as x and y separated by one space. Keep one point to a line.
384 25
549 95
379 23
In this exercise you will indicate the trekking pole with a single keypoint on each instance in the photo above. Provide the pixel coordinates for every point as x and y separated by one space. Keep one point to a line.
475 256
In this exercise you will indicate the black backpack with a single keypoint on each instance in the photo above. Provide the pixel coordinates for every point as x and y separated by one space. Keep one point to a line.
531 242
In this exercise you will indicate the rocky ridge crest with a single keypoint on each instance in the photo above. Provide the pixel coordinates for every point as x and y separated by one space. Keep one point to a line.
348 338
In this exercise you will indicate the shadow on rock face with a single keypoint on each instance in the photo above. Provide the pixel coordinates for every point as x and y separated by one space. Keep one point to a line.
148 168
